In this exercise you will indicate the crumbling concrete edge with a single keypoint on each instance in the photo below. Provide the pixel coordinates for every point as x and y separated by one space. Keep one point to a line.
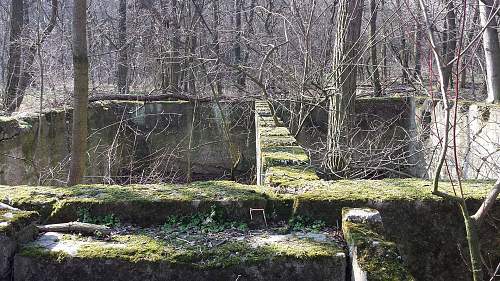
372 256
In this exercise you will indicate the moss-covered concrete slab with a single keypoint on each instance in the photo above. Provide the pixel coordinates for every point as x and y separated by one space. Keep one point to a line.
138 204
278 152
274 131
373 258
426 227
281 178
264 256
284 156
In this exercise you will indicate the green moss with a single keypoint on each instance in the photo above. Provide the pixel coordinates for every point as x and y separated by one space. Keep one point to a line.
291 175
376 256
274 131
284 156
152 204
133 203
23 123
272 141
13 221
42 253
385 190
142 248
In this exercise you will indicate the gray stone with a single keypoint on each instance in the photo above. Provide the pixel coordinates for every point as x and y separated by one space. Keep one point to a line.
358 215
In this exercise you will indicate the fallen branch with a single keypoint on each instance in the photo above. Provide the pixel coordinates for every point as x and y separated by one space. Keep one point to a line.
7 207
76 227
147 98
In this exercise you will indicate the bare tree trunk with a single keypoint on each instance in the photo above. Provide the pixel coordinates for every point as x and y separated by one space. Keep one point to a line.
377 88
15 50
240 79
80 94
216 18
175 68
418 51
450 44
470 38
122 73
27 73
491 50
404 53
342 90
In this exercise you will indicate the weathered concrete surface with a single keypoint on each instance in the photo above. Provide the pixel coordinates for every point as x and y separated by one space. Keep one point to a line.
401 136
130 142
477 140
15 227
58 259
372 257
7 250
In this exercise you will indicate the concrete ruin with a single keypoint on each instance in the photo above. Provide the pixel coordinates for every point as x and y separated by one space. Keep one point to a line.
419 230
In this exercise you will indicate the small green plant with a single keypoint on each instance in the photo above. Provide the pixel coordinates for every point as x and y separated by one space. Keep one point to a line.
299 223
85 216
211 222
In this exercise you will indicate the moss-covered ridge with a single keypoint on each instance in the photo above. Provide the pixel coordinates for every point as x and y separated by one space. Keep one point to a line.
136 248
298 193
278 151
378 258
13 221
139 204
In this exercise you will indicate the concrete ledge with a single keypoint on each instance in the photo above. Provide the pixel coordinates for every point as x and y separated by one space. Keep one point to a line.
276 147
139 257
372 257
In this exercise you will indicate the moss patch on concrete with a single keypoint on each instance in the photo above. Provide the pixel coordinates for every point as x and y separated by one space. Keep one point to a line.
284 156
13 221
290 176
385 190
142 204
273 141
143 248
274 131
153 204
379 258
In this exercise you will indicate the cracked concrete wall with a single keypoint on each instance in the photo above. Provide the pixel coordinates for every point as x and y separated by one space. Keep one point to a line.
477 140
404 135
129 142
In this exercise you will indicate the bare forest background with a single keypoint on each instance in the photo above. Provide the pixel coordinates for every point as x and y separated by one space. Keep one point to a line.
237 49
